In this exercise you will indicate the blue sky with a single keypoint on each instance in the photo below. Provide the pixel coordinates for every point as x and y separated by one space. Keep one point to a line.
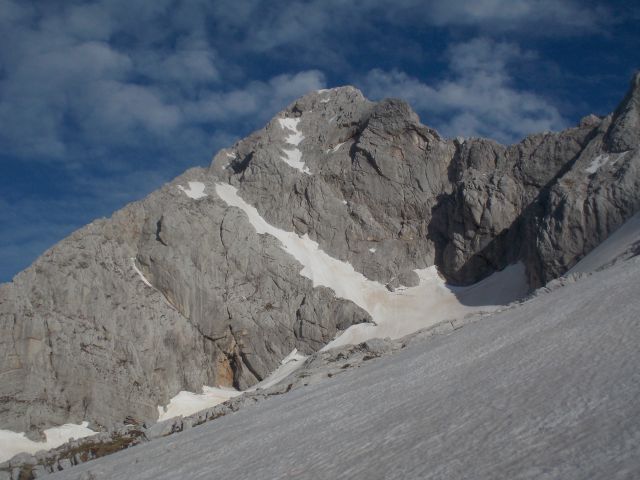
103 102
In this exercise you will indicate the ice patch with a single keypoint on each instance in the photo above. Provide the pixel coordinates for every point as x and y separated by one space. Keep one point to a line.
344 202
395 314
195 190
372 250
231 155
293 156
325 100
597 162
12 443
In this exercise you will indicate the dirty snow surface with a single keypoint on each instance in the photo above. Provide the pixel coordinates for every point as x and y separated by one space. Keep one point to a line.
548 389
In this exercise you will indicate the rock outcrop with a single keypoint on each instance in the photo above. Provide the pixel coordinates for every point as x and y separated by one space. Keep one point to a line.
178 290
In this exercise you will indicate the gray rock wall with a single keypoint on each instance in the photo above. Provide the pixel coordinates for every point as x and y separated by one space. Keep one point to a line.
83 337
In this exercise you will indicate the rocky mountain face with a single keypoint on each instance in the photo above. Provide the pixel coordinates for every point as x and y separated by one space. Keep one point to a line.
179 290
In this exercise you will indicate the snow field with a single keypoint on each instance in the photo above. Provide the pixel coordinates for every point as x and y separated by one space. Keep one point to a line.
548 389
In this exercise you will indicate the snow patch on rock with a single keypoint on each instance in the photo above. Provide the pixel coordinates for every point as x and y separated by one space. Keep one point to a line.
597 162
293 156
12 443
195 190
140 274
336 148
187 403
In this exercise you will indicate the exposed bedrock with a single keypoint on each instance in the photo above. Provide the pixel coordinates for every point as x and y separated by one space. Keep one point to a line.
179 290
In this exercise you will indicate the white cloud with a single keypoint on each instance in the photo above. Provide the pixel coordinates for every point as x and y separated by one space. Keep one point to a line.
278 23
192 63
123 106
113 73
476 98
124 86
256 98
69 88
507 15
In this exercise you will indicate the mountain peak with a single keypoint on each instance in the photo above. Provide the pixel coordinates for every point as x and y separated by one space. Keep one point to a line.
217 276
624 132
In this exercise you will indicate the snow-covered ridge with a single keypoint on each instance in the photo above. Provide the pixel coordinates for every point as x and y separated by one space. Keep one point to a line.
293 156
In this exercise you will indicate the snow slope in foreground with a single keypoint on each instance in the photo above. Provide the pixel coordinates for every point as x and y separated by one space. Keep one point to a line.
619 243
548 389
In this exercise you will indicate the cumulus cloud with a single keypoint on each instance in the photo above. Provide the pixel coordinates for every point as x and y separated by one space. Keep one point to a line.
282 23
67 75
104 91
564 17
256 98
79 76
476 98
